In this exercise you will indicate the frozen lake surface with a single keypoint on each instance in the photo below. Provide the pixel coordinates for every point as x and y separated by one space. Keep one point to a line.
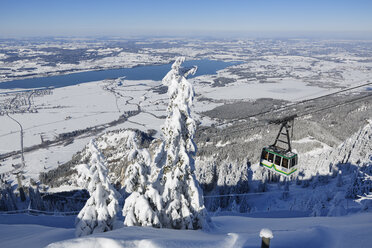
151 72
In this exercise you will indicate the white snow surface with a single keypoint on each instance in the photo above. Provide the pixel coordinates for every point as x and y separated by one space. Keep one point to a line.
18 231
266 233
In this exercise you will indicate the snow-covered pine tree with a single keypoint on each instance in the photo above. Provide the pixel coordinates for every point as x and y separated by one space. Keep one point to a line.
8 200
338 205
142 207
99 212
181 194
235 207
262 186
171 196
36 202
137 172
285 193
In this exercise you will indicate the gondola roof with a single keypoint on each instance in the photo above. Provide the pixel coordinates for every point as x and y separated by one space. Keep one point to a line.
280 151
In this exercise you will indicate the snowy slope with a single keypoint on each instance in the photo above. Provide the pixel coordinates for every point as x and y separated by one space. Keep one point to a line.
229 231
316 189
29 231
357 150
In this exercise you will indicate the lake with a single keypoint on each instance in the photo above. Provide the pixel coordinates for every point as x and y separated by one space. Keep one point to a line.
149 72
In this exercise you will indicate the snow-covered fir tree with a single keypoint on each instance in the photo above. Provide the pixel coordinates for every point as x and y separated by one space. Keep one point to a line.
143 205
137 172
99 212
36 202
338 205
8 200
235 208
172 197
285 193
181 193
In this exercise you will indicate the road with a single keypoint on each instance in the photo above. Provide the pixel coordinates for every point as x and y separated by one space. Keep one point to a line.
22 149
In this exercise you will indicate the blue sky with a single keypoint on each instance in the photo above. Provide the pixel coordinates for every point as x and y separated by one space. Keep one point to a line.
157 17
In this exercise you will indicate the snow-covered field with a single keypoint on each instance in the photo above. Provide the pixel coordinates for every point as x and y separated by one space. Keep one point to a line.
75 108
227 231
287 89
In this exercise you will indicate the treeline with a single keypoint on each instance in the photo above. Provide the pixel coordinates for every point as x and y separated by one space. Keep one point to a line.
11 201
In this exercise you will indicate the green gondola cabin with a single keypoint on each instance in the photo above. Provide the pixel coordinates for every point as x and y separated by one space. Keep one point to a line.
279 160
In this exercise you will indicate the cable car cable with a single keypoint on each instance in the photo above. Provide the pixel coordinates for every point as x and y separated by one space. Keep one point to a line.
308 113
294 104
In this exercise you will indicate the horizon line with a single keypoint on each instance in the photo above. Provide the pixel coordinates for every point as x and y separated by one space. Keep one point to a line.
210 34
